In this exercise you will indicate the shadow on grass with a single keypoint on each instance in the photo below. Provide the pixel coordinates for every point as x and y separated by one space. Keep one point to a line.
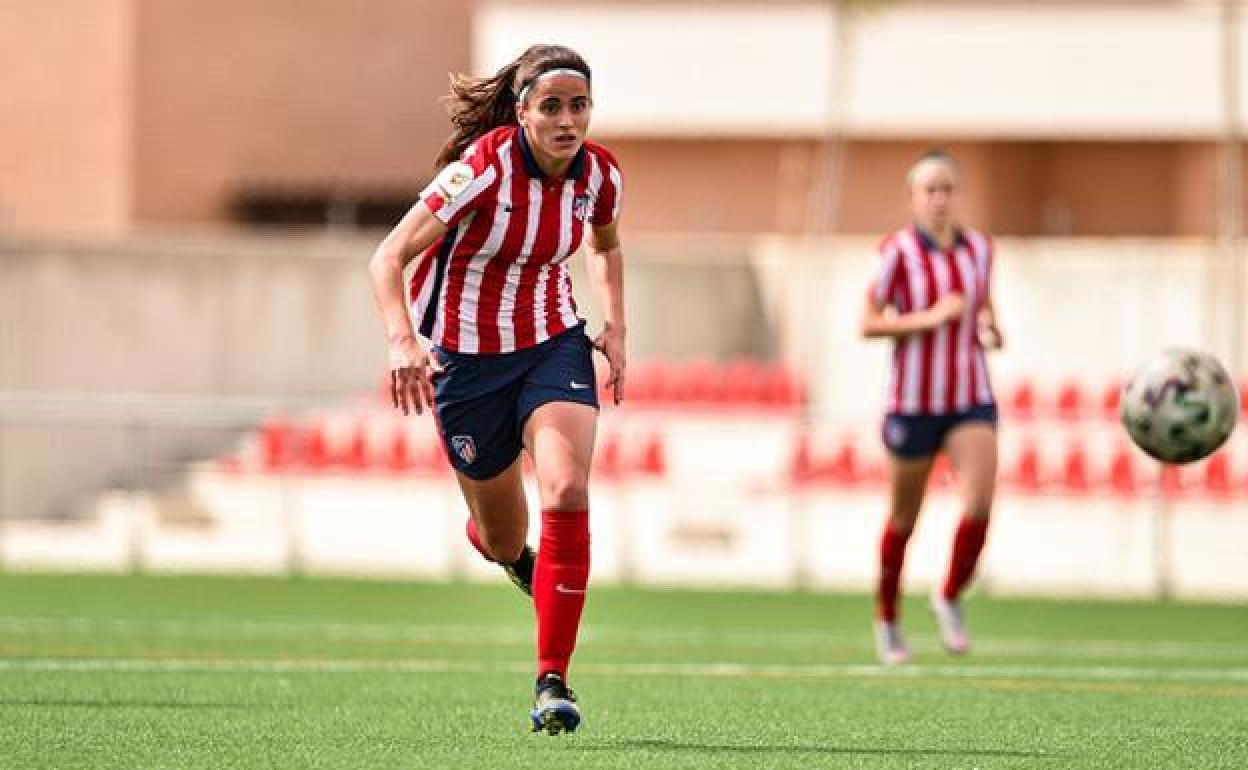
118 704
667 745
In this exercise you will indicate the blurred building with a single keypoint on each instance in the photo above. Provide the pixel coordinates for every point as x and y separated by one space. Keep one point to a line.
117 114
1089 118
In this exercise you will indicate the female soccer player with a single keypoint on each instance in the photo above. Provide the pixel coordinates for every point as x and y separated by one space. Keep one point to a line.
509 365
932 297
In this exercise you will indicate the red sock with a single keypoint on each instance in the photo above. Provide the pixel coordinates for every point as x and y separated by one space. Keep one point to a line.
967 544
559 581
475 538
892 556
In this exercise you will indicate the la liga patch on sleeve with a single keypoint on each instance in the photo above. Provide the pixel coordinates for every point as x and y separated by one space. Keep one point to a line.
454 179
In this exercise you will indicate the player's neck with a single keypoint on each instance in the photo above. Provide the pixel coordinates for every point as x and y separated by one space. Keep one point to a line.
943 237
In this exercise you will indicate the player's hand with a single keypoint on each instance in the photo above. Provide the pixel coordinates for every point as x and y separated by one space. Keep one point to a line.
990 336
611 344
411 376
947 308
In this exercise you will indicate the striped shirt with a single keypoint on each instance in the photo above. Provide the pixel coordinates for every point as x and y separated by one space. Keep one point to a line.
943 370
497 281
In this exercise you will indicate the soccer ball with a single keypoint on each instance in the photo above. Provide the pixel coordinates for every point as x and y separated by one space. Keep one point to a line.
1180 406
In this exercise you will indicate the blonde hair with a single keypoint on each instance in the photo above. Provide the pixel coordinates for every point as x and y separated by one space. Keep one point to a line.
929 159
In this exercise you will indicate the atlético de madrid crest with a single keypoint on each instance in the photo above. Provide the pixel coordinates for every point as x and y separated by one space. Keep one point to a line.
581 206
465 447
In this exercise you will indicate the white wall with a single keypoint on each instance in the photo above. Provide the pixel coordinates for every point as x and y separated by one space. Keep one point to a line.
1017 70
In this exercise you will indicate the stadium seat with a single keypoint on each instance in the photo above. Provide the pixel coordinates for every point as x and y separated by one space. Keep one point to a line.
743 381
1171 480
802 464
1122 477
1110 400
355 456
313 448
398 458
1070 401
276 438
1026 473
780 387
844 468
607 457
1217 475
653 458
1075 477
1022 401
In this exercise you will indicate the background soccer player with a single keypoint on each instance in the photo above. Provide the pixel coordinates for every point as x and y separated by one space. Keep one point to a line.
510 366
932 297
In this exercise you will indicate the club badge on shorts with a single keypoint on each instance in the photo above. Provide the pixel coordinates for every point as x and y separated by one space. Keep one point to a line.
465 447
894 433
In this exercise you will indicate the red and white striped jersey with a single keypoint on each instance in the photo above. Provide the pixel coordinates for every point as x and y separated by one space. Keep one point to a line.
942 370
497 281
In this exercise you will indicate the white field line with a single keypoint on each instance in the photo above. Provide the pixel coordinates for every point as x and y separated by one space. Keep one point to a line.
779 639
689 670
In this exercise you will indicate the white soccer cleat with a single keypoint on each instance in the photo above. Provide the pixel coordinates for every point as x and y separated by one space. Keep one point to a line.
952 625
889 645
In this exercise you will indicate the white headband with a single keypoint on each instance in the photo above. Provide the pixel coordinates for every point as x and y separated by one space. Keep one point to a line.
549 73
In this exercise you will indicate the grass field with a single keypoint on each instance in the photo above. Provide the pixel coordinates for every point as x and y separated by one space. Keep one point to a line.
145 672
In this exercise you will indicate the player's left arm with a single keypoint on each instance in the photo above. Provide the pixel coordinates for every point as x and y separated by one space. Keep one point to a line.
606 274
988 324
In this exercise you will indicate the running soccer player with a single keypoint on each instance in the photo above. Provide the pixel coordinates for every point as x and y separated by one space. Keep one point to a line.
509 365
932 296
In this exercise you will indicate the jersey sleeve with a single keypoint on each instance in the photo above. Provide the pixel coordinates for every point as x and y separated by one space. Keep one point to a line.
888 274
607 206
463 186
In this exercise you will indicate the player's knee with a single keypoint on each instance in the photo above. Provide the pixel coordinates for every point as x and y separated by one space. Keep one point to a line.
565 493
979 507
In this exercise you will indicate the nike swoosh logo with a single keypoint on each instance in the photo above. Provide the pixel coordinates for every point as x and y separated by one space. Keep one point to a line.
565 590
578 385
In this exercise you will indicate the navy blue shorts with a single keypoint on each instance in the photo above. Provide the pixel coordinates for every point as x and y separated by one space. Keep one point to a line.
922 435
483 401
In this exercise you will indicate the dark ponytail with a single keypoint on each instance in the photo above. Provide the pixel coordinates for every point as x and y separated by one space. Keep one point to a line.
479 105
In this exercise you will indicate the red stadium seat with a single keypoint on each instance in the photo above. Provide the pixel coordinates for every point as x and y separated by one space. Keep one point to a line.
276 439
843 468
1122 477
313 448
355 456
1023 401
1171 480
607 457
1026 474
398 452
1217 477
1111 399
1075 478
744 381
802 464
653 458
780 387
1070 401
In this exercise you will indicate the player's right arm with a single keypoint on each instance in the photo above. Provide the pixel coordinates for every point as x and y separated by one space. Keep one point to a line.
410 365
880 317
880 320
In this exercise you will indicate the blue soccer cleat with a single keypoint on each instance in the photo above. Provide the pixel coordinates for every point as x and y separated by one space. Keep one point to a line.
554 706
